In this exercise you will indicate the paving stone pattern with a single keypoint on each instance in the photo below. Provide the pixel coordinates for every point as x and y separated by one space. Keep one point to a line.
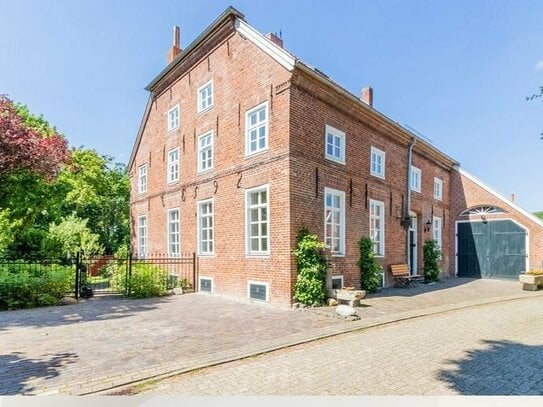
494 349
102 343
108 342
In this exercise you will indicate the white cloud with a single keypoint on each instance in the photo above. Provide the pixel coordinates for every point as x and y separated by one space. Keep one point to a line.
539 65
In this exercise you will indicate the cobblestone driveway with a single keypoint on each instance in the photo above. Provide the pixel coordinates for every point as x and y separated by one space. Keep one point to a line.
106 342
494 349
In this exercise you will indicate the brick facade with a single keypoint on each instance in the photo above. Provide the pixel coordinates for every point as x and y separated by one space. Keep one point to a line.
468 192
301 102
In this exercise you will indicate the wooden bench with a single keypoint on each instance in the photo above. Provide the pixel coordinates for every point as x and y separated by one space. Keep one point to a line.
402 276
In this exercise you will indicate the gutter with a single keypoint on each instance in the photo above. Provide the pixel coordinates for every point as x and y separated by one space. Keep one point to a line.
408 209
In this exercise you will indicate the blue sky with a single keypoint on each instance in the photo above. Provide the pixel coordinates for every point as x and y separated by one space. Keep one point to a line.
456 71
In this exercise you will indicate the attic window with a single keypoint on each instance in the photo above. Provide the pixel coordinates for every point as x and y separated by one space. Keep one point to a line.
482 210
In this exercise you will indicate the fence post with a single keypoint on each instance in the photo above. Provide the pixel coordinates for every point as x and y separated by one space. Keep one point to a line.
128 272
77 271
194 272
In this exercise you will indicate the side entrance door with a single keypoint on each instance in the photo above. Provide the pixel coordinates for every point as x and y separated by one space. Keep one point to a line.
491 249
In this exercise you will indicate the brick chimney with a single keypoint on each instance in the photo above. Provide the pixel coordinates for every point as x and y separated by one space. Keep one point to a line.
367 96
175 50
275 39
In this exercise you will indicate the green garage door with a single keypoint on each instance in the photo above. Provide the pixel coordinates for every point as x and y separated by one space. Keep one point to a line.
493 249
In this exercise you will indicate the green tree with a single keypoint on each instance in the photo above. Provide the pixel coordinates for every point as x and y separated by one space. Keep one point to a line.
70 236
43 186
539 214
98 190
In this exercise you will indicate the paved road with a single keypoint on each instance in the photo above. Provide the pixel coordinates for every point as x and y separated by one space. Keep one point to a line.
489 350
103 343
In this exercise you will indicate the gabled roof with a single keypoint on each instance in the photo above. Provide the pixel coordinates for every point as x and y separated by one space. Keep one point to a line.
495 193
290 62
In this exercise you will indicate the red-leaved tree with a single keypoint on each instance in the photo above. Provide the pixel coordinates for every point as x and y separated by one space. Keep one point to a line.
23 148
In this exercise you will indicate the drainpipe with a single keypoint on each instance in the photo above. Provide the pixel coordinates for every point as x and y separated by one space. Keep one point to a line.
408 209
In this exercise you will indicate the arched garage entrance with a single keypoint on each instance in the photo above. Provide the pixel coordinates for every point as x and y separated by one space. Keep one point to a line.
491 248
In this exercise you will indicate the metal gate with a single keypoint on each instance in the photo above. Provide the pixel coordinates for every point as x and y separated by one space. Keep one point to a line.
491 249
109 275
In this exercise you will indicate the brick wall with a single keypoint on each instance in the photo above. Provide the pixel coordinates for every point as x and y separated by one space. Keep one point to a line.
312 108
243 77
465 193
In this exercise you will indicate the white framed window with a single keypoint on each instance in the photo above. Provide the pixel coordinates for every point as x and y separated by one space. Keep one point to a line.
257 220
205 284
258 290
416 176
335 145
438 189
437 230
256 127
377 163
142 179
205 152
142 236
173 166
205 97
173 118
337 282
334 220
377 227
173 232
205 227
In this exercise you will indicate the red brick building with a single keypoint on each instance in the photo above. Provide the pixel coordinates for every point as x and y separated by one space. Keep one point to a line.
241 144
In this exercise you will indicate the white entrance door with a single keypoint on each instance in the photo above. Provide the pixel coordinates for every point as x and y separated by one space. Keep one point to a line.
413 244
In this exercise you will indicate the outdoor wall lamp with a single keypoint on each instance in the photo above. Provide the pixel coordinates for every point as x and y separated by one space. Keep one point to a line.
428 226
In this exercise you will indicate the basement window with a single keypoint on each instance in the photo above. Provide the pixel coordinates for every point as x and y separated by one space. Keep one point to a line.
206 284
258 291
337 282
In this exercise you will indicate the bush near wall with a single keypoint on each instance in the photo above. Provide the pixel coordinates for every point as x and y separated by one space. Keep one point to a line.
29 285
310 288
145 280
432 254
371 272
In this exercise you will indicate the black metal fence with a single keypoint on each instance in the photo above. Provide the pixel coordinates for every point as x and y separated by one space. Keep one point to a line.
133 275
35 282
42 281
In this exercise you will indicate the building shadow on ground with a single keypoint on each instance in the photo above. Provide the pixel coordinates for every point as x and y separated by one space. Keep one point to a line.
422 288
93 309
18 373
501 368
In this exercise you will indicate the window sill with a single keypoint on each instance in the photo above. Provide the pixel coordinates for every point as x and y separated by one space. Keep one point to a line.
207 109
377 176
203 172
334 159
257 255
256 153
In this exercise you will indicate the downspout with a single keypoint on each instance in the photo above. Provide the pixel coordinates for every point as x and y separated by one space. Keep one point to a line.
408 209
